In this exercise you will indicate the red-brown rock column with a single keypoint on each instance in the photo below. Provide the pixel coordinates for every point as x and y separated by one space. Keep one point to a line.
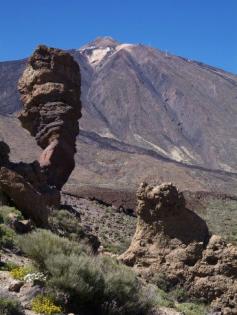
50 93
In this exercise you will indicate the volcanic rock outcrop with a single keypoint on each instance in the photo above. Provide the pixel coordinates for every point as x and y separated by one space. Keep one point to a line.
173 242
26 186
50 92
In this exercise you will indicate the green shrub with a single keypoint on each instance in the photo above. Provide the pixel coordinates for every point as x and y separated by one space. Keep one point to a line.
191 308
66 224
9 306
116 247
79 275
160 280
41 245
7 266
123 289
98 283
163 299
5 212
7 237
178 295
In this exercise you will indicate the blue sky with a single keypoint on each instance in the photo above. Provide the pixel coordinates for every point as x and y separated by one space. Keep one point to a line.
204 30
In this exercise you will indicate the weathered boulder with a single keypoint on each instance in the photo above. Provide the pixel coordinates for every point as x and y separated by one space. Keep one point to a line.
50 92
32 202
163 230
15 285
173 242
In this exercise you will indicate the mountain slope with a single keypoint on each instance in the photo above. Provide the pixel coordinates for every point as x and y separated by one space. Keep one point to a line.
147 115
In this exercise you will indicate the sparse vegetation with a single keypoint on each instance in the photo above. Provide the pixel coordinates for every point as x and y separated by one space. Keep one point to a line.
173 299
219 212
101 283
162 298
191 308
114 229
8 266
9 306
221 217
159 279
66 224
98 283
7 237
178 295
5 213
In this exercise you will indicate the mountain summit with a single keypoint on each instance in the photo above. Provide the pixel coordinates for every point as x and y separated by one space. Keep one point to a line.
105 41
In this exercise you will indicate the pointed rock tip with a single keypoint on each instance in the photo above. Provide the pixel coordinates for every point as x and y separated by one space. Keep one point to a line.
104 41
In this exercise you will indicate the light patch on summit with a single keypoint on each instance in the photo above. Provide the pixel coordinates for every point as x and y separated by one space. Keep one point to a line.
127 47
96 55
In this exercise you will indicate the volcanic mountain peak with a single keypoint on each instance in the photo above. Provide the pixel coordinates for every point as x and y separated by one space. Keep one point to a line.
101 42
102 47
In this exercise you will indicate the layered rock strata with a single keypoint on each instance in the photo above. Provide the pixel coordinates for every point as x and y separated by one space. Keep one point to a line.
50 93
172 243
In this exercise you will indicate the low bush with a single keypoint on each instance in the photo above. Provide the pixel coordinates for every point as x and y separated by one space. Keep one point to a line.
66 224
7 237
115 247
162 298
160 280
191 308
5 213
179 295
93 282
7 266
9 306
41 245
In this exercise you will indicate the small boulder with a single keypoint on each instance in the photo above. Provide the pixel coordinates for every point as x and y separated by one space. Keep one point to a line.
15 286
